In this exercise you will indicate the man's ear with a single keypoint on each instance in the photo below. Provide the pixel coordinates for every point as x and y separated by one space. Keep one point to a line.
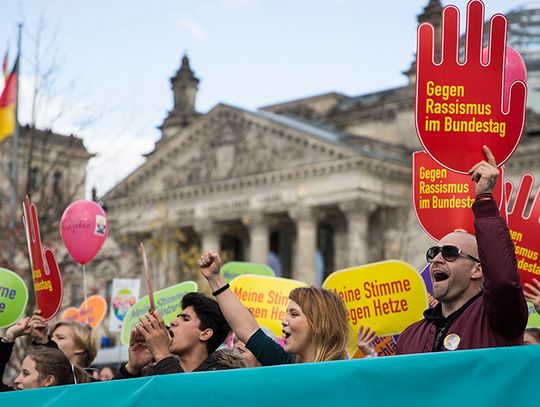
206 334
477 272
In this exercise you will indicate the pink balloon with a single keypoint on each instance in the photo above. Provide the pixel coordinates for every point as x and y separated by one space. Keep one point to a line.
83 228
514 70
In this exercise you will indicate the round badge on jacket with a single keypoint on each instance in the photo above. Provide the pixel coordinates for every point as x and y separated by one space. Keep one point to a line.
451 342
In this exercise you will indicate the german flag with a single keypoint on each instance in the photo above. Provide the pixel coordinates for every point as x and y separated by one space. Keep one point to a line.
7 104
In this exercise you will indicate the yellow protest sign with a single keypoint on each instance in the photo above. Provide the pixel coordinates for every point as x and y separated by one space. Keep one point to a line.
387 296
266 297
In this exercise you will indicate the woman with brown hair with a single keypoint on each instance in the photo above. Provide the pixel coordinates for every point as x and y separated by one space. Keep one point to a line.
42 367
315 327
45 367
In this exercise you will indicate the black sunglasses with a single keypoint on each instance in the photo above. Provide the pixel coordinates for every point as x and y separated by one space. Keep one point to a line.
449 253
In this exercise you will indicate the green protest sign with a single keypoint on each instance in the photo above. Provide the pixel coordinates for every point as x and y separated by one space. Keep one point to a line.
167 305
13 297
234 269
534 317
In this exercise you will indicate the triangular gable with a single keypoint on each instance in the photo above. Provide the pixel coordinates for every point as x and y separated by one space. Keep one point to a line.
229 142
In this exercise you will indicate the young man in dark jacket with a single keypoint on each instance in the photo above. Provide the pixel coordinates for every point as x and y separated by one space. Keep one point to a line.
475 280
193 336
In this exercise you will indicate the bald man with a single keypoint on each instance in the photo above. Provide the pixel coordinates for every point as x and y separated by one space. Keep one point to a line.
475 280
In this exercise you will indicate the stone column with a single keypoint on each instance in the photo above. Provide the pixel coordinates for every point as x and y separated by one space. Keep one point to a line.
259 237
151 250
341 253
157 249
162 257
210 235
395 232
304 268
357 214
173 271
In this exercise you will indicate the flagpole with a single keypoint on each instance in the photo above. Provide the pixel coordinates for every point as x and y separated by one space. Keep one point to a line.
14 161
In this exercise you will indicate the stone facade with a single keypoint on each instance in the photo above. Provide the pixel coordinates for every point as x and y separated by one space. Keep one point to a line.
249 176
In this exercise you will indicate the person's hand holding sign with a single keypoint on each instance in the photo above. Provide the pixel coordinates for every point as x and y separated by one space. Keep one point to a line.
39 328
156 335
459 105
485 174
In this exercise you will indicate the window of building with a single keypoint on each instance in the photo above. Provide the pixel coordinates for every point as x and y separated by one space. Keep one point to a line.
233 248
281 242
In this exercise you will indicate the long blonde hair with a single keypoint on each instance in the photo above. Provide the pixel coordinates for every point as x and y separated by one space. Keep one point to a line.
85 337
327 317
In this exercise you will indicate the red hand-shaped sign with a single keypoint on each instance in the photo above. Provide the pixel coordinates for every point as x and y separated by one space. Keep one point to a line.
524 230
443 198
459 104
45 271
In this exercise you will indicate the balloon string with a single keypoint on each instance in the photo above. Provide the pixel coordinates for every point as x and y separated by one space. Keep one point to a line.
85 293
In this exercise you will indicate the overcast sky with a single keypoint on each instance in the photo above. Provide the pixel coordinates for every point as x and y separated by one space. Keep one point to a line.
114 59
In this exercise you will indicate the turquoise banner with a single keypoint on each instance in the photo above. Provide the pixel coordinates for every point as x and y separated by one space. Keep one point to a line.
487 377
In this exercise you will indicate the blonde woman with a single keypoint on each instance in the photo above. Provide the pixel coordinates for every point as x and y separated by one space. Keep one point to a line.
79 342
315 326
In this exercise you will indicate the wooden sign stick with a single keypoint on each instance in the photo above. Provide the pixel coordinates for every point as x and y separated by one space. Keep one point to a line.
148 280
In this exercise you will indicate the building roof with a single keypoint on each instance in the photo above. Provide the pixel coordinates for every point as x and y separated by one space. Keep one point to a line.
363 145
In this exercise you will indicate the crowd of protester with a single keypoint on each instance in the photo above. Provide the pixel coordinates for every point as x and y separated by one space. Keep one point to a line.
479 303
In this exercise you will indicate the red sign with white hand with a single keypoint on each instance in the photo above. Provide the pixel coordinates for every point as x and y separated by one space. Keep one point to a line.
459 105
525 229
45 271
443 198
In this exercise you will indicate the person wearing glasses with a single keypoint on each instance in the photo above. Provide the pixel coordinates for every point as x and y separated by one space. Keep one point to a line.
475 280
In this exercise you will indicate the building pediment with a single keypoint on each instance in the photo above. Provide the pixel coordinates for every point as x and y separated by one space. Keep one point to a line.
310 108
227 143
